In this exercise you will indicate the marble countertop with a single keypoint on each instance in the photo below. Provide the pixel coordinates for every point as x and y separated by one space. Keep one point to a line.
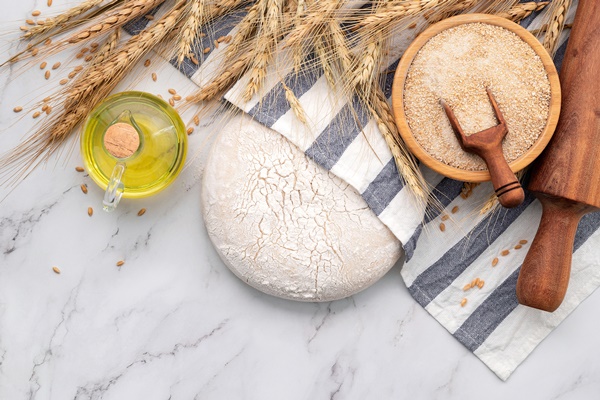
173 323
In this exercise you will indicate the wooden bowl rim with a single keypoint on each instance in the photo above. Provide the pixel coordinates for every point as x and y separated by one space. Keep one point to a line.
398 96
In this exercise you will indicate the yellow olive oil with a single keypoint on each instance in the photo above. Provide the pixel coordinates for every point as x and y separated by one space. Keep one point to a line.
161 153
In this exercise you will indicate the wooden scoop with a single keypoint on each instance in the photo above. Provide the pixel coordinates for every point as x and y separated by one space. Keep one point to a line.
566 178
487 144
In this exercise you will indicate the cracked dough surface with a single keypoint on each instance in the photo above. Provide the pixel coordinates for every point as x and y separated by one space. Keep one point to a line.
286 226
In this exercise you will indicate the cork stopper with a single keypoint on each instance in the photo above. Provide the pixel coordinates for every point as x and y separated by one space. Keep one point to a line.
121 140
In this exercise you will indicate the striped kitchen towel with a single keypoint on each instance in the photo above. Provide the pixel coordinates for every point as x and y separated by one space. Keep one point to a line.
342 138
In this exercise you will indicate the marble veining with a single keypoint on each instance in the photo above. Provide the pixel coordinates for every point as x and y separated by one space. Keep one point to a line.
174 324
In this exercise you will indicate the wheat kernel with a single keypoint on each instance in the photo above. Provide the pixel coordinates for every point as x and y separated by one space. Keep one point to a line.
505 252
467 287
194 60
517 247
85 50
43 65
463 302
90 211
79 169
154 77
172 91
147 62
196 120
34 51
48 110
119 263
24 28
442 227
476 281
94 45
89 58
480 284
72 74
47 75
56 270
495 262
18 109
216 44
522 241
141 212
412 26
84 188
172 102
56 65
44 107
79 56
227 39
176 97
47 42
190 130
35 13
454 209
63 81
206 50
445 217
36 114
49 3
77 68
30 22
149 17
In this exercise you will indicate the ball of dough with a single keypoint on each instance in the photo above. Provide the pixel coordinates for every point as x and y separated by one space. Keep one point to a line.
286 226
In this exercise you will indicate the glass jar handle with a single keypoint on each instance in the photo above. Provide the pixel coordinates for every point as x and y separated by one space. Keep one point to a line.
115 187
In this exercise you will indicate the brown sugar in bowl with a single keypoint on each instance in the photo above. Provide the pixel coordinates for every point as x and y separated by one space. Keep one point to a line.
398 104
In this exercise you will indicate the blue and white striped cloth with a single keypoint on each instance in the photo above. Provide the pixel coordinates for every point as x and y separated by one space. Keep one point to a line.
343 139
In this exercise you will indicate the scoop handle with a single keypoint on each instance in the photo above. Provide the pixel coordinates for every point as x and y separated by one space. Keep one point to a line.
544 276
506 185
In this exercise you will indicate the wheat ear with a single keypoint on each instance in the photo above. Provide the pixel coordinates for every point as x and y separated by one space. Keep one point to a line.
191 29
405 162
230 75
53 22
294 103
523 10
557 16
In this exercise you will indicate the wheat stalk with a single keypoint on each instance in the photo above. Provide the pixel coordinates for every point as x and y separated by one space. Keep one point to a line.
523 10
367 69
53 22
557 14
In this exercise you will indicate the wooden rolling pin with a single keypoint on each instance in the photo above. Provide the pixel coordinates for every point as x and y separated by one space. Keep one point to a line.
566 178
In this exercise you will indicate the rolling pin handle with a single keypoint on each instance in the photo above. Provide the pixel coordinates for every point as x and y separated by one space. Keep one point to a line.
544 276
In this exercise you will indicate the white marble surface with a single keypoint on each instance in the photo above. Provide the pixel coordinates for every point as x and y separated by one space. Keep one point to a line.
174 323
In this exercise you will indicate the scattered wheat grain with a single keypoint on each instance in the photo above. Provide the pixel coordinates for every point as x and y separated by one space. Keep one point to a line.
56 270
47 75
480 284
522 241
517 247
505 253
90 211
141 212
64 81
463 302
445 217
190 130
35 13
154 77
147 62
495 262
454 209
196 120
120 263
84 188
79 169
206 50
442 227
36 114
30 22
18 109
56 65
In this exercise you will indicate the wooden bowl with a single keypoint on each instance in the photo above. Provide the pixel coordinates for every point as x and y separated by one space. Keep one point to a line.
398 97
